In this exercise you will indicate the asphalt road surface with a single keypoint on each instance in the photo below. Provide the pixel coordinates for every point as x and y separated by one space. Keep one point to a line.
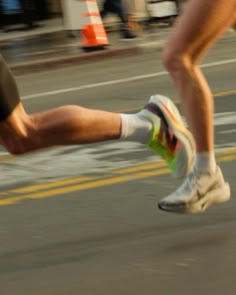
84 219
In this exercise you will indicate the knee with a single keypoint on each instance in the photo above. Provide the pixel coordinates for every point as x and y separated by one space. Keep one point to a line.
176 63
19 141
19 145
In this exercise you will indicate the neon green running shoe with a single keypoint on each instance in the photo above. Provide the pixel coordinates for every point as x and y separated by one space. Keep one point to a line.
170 138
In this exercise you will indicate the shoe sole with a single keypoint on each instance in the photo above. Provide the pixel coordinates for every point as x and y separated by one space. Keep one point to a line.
216 196
177 126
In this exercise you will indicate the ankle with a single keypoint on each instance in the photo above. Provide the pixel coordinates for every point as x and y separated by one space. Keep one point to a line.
205 162
135 128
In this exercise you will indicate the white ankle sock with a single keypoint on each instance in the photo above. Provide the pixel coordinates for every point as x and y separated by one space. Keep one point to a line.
135 128
205 162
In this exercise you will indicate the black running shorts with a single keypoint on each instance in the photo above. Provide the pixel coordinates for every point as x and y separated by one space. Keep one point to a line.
9 95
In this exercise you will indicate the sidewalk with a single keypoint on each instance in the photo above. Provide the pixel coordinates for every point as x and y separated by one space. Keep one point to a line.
50 45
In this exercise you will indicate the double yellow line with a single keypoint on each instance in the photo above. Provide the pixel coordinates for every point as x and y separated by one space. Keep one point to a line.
46 190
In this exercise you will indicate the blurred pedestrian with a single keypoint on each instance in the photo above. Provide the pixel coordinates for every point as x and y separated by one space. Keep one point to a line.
1 15
28 8
117 7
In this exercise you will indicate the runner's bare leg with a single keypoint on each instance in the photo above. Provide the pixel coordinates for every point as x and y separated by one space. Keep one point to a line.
64 125
199 27
201 24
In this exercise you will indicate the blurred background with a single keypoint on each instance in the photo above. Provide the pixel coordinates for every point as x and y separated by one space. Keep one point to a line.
14 12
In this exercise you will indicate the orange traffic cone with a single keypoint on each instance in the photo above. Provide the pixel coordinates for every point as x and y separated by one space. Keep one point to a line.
93 34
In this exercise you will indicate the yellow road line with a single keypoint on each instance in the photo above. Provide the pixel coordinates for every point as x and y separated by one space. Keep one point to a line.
140 167
163 164
226 158
225 93
226 151
95 184
83 186
133 169
43 186
143 167
82 183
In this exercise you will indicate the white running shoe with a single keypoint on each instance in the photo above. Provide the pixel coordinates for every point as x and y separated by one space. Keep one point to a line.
197 193
170 137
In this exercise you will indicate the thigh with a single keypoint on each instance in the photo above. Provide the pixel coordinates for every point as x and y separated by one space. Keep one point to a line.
200 25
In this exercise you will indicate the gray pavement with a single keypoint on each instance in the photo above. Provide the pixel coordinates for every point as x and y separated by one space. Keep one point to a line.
84 219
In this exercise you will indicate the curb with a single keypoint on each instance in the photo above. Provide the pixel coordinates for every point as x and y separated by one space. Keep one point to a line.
83 57
50 63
